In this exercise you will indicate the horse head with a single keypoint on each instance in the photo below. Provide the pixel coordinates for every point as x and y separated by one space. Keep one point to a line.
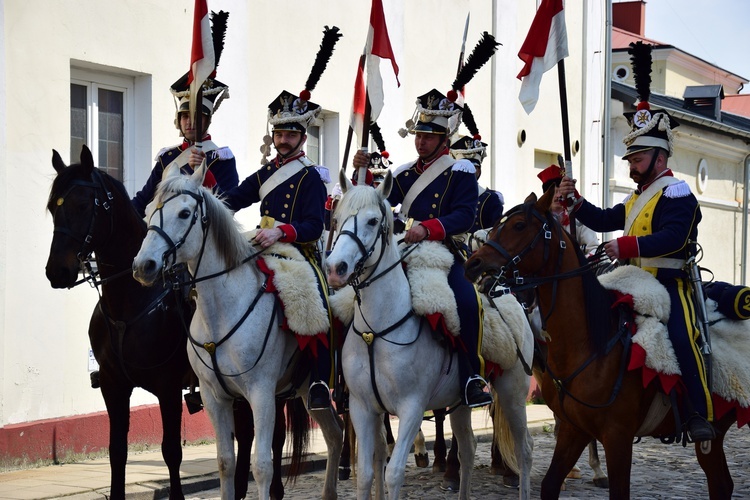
80 203
521 243
363 219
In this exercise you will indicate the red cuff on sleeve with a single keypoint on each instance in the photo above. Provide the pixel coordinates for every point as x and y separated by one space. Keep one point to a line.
628 247
290 234
435 227
329 203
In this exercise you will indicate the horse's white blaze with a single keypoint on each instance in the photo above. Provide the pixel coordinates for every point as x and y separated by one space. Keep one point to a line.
250 369
410 364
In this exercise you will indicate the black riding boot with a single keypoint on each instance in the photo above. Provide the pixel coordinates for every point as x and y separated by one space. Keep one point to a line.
319 395
472 384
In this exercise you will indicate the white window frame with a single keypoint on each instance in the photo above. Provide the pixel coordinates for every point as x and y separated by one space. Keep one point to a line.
93 81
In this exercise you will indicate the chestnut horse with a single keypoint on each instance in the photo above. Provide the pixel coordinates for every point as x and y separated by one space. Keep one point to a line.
586 383
136 333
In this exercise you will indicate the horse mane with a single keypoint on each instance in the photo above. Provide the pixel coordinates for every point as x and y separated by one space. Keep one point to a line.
358 197
76 171
223 228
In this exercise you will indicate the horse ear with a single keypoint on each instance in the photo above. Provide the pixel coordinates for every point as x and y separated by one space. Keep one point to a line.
58 162
172 170
384 189
530 198
344 181
87 159
546 200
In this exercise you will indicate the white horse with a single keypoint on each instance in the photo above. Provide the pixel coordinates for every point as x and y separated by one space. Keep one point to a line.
236 346
391 360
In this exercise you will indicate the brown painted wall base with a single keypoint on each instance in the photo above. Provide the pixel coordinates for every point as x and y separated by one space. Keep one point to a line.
62 439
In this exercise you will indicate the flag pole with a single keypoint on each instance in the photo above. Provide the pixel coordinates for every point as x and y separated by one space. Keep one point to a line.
567 166
350 133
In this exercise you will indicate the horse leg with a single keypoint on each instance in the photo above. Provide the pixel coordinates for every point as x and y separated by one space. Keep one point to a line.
438 464
568 447
451 478
345 464
221 415
421 457
618 451
714 463
244 433
331 426
467 447
600 478
117 400
500 467
277 446
263 403
408 426
170 407
390 441
368 427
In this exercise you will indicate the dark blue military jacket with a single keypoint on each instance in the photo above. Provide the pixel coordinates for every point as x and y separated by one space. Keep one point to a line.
489 210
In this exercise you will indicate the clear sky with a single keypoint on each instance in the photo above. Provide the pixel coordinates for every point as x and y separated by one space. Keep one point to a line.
717 31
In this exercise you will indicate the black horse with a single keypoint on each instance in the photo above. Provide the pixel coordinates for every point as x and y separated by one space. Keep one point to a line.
137 333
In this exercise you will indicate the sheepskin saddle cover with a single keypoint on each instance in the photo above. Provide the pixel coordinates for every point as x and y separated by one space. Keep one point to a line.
730 339
297 288
427 268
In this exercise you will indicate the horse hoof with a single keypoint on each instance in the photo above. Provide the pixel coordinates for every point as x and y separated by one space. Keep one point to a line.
511 481
601 482
438 468
344 473
575 473
422 459
450 485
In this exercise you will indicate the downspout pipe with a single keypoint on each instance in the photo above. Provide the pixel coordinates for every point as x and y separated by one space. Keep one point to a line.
607 118
745 198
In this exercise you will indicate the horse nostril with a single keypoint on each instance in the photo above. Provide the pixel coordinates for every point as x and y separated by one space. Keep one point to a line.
341 268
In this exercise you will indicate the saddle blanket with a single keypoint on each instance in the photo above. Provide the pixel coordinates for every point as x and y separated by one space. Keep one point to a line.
297 286
653 351
427 268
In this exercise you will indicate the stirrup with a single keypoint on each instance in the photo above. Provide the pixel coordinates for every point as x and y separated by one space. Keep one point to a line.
319 404
479 400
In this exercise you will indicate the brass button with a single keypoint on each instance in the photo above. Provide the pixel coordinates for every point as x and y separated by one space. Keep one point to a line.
445 173
434 205
265 212
431 216
291 186
283 216
288 196
286 205
268 167
437 195
406 173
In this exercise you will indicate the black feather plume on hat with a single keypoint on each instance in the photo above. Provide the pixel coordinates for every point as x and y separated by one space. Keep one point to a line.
330 37
377 136
485 49
218 30
640 58
471 124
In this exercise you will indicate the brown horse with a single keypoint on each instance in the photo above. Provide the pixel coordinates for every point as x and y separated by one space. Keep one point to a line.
586 383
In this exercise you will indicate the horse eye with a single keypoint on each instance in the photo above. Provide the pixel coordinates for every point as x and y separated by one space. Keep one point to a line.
373 222
519 226
184 214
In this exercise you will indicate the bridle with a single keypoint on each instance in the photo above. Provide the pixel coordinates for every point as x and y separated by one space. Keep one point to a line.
199 212
104 202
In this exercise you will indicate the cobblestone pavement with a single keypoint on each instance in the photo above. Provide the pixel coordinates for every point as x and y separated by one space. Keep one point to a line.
659 472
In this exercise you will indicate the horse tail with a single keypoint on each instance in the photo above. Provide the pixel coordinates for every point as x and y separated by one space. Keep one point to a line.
298 426
502 437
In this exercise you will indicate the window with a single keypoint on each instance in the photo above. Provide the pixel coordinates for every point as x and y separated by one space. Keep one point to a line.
98 113
313 144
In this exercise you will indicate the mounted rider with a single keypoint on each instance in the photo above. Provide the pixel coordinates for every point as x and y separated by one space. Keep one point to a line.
660 223
489 202
291 190
587 239
220 162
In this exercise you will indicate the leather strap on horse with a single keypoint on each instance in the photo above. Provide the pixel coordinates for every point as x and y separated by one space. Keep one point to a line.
369 338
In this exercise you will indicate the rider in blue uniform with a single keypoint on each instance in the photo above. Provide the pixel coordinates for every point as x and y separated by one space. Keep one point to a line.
438 196
291 190
222 169
660 220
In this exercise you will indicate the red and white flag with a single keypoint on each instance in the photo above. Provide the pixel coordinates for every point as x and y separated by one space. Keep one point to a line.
378 47
202 57
545 45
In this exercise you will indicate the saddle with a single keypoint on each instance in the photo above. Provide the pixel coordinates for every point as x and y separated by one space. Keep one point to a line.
297 286
427 267
653 351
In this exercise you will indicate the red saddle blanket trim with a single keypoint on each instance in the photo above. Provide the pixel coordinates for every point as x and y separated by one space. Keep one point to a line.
722 407
638 360
437 323
303 340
